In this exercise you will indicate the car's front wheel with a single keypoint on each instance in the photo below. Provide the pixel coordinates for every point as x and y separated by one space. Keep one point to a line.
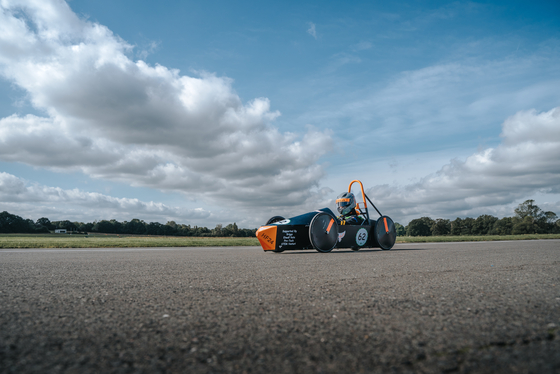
323 232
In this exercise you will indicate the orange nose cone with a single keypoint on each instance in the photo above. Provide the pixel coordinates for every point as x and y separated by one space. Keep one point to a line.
267 237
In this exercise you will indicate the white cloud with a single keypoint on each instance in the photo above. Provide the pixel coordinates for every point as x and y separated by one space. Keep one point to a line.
147 50
311 30
524 164
361 46
114 118
441 103
340 59
35 201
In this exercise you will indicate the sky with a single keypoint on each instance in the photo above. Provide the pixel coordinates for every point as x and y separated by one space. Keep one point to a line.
216 112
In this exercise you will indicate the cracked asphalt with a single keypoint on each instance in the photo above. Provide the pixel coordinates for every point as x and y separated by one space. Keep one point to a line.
486 307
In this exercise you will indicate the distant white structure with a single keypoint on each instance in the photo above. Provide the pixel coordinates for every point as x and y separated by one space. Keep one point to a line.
60 231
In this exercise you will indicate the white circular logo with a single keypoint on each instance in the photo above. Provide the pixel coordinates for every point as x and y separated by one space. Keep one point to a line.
361 237
283 222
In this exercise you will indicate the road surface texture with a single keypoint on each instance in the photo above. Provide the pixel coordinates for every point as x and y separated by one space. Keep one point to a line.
491 307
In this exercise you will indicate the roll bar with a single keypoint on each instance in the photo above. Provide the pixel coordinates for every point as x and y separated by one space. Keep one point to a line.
364 198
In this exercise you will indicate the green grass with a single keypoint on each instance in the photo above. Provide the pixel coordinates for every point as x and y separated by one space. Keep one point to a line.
131 241
115 241
473 238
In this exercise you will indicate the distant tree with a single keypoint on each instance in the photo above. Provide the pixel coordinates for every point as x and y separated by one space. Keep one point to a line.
540 222
118 228
184 230
41 229
441 227
247 233
456 226
170 228
84 227
420 227
200 231
11 223
483 224
135 226
468 224
503 226
70 226
477 227
30 226
217 231
526 225
230 230
401 230
528 209
547 222
154 228
45 222
103 226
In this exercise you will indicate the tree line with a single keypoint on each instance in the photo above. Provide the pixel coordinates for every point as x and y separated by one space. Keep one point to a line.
11 223
528 219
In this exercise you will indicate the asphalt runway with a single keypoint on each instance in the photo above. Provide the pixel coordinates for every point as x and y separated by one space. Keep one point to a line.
487 307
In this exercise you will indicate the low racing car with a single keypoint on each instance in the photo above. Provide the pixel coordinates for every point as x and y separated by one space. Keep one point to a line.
323 231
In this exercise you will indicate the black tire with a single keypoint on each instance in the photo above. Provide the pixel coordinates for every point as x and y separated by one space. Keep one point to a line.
275 219
385 233
323 232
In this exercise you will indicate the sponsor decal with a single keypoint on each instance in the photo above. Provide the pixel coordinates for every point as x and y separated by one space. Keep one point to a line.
288 238
341 235
283 222
361 237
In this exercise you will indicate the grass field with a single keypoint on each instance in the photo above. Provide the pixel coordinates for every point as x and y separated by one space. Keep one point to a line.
131 241
115 241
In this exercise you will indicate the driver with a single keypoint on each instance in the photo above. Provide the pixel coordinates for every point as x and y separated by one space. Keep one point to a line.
346 206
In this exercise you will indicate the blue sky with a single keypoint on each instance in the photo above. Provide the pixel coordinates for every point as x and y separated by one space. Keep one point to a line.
214 112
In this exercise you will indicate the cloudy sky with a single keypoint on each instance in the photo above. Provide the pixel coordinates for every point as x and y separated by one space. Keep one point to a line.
217 111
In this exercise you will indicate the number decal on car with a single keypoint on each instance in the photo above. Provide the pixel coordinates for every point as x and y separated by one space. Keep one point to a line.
361 237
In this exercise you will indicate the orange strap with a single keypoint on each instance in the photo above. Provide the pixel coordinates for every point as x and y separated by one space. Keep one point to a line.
386 227
330 225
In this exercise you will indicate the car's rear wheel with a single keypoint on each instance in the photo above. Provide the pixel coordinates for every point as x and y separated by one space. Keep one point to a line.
385 233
